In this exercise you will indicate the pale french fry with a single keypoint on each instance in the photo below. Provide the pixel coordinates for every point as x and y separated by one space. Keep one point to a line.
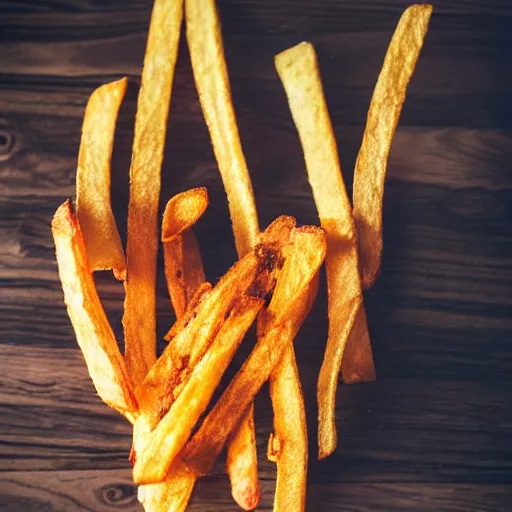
101 237
93 332
183 264
171 495
139 318
298 70
305 258
212 82
288 444
157 449
383 114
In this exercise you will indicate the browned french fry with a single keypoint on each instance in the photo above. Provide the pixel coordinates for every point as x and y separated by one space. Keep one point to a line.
101 237
139 318
254 275
92 329
183 264
157 449
305 258
298 70
212 82
383 114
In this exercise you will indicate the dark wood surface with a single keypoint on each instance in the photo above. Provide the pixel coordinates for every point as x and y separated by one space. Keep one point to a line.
435 431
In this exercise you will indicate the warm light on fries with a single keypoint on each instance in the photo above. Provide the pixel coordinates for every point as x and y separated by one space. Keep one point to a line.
101 237
275 281
385 107
139 318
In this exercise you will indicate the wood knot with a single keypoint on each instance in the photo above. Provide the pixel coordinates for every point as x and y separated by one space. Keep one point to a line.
6 145
117 495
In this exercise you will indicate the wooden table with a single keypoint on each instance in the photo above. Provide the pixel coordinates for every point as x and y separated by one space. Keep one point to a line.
434 433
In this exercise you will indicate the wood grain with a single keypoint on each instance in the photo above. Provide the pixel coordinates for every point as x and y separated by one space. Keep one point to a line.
435 431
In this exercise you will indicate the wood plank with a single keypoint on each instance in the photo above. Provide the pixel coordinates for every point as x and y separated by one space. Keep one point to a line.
392 430
106 490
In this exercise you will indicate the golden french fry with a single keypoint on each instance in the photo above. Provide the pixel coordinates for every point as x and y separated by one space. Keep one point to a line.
193 304
101 237
171 495
298 70
305 258
383 114
93 332
156 449
288 445
139 318
183 264
212 82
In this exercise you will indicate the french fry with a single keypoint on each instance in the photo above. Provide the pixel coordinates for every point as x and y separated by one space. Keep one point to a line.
99 230
383 114
183 264
298 70
171 495
242 457
93 332
139 318
157 449
212 82
288 444
252 275
305 259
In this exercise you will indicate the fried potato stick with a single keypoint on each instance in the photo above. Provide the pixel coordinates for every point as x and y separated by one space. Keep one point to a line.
139 318
182 259
171 495
212 82
203 448
288 444
298 70
93 332
242 456
101 237
157 449
383 114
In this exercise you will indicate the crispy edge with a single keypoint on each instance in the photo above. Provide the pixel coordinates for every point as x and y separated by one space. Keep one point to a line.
382 119
139 318
299 73
157 449
99 229
93 332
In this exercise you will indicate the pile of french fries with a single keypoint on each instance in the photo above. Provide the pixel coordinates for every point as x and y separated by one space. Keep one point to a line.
274 283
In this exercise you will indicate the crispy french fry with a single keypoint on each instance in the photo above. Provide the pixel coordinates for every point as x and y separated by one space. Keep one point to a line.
92 329
139 318
192 306
171 495
305 258
101 237
183 264
157 449
288 444
383 114
212 82
298 70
